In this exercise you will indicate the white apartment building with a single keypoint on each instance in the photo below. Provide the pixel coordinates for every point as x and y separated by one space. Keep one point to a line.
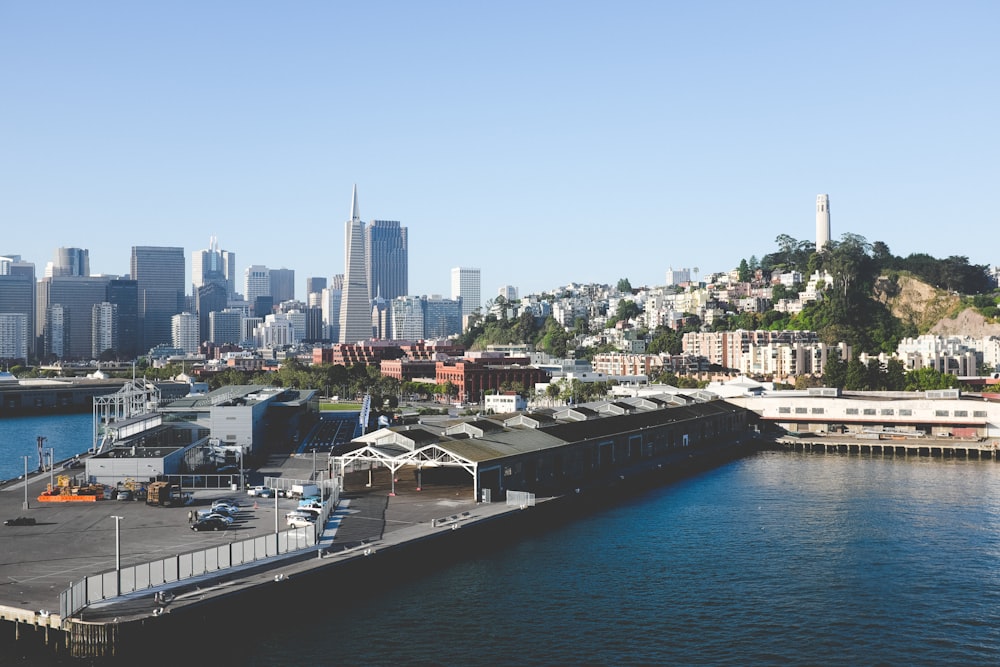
184 332
13 336
104 328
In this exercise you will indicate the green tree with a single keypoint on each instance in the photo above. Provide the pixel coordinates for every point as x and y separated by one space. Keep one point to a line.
624 286
856 376
744 272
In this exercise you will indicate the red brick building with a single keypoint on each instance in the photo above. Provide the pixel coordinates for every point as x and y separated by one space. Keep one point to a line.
472 379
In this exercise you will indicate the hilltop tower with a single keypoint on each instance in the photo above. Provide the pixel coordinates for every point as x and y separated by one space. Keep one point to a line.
822 221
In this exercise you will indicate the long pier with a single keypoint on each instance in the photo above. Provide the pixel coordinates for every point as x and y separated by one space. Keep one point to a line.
977 450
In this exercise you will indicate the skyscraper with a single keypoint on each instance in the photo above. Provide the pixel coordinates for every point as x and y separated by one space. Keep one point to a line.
465 285
104 329
68 302
184 332
822 221
17 293
282 285
386 250
355 306
256 283
159 272
70 262
124 294
213 265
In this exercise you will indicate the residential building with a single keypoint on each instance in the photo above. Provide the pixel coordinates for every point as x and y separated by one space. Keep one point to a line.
224 326
104 329
407 314
13 337
185 332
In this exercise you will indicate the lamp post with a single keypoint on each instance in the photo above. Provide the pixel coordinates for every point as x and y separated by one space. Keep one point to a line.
25 505
52 465
118 554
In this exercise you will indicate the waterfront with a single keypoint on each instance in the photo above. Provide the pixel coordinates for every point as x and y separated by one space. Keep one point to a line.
777 558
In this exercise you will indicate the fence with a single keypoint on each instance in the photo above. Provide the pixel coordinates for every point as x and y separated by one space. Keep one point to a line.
520 499
145 576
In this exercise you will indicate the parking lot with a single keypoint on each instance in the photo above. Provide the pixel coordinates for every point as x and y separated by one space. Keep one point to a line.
72 540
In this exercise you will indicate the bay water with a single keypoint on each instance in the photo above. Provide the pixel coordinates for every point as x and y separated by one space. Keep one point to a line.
774 559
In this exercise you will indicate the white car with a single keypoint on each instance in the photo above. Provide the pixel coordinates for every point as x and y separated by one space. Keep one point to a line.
295 520
260 491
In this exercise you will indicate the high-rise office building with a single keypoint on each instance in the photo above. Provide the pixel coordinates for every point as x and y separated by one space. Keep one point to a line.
386 250
184 332
465 285
442 317
822 221
330 303
76 297
355 305
17 294
159 272
282 285
508 292
256 283
123 293
315 285
213 265
224 327
209 298
70 262
103 329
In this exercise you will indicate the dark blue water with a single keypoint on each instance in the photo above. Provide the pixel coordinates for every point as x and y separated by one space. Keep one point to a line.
67 435
776 559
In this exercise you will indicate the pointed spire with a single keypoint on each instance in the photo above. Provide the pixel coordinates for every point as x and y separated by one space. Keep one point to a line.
355 216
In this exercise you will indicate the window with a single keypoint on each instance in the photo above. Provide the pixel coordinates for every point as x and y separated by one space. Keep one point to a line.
979 413
905 412
940 413
887 411
801 411
961 413
817 411
852 411
784 411
869 411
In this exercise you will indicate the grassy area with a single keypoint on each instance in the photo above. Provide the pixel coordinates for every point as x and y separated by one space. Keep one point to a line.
355 407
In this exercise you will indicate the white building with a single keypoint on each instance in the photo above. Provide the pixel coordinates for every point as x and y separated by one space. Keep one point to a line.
104 328
13 336
256 282
499 404
184 332
465 283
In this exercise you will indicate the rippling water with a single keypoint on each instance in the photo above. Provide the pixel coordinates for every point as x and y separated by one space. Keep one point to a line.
67 435
787 559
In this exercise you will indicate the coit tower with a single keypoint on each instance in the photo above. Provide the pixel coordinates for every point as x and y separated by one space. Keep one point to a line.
822 221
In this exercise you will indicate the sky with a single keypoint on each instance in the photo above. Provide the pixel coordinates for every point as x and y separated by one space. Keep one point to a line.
542 142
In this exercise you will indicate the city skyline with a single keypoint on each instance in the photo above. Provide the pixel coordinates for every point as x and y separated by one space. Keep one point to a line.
528 149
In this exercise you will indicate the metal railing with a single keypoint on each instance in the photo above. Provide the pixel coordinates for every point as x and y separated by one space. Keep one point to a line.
173 569
520 499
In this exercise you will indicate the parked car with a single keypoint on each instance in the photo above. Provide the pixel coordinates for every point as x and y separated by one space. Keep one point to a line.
20 521
260 492
295 520
226 501
223 508
209 514
212 523
124 494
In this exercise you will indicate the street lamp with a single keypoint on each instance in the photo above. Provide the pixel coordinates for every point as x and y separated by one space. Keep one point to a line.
118 554
52 465
25 505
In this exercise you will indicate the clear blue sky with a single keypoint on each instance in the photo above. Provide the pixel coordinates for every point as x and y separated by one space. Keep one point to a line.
543 142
